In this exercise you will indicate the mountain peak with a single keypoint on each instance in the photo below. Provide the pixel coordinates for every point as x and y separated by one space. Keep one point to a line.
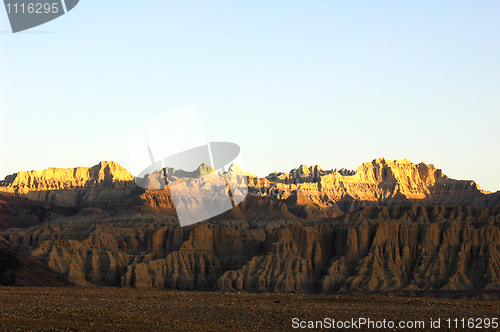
205 169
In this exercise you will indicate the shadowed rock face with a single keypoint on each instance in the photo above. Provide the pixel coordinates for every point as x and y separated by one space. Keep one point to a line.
410 248
20 212
19 268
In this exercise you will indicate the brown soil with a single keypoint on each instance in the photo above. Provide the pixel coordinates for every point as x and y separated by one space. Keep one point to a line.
115 309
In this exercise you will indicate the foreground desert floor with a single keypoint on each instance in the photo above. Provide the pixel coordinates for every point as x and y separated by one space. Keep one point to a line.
113 309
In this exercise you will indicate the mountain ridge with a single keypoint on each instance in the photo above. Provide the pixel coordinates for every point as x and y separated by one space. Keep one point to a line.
376 183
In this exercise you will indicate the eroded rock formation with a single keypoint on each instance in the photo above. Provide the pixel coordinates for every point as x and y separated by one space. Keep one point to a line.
388 226
411 248
377 183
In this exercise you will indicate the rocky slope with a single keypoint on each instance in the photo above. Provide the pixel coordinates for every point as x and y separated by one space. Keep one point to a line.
411 247
19 268
20 212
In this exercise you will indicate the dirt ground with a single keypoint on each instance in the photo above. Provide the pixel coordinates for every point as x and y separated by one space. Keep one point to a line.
115 309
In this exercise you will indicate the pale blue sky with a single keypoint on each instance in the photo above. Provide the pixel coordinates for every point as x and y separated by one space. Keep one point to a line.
334 83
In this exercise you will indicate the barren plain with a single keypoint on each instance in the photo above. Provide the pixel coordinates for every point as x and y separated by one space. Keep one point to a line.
125 309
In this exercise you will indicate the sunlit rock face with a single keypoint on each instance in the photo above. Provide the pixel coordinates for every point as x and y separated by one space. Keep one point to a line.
326 192
380 182
106 181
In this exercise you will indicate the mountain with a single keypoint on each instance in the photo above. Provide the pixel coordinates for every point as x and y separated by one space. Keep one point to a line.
410 248
389 226
325 193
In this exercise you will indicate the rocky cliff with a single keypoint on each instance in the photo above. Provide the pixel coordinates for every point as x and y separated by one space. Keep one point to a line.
377 183
412 248
106 181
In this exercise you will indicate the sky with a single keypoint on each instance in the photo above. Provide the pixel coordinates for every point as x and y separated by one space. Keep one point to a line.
333 83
